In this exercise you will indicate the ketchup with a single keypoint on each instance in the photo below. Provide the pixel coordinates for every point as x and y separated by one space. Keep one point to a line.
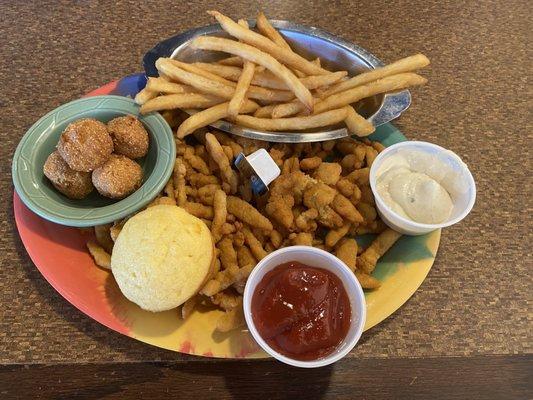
302 312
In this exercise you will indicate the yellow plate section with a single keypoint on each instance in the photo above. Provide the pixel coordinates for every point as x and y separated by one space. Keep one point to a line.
401 271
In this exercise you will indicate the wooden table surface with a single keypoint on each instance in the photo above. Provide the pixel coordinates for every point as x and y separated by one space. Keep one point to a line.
466 333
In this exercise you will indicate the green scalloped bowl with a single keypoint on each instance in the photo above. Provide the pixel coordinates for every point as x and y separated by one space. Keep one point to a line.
37 192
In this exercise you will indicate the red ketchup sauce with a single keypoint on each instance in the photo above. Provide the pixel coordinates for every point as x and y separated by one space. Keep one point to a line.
302 312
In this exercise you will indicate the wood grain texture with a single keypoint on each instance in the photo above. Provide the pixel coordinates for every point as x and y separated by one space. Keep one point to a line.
492 377
474 301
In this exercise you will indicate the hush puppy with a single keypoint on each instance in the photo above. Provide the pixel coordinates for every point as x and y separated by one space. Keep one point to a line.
73 184
85 145
129 136
118 177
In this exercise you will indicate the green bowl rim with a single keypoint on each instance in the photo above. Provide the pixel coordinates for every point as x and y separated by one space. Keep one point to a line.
146 193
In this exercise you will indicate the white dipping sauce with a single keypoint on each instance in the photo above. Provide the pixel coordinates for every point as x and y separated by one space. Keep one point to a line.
414 185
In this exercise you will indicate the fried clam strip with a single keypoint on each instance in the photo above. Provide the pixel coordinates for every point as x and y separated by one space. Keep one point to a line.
226 301
248 213
347 252
367 281
182 100
285 55
210 115
295 123
227 255
217 153
368 259
407 64
254 244
387 84
224 279
101 257
231 319
258 57
219 214
268 80
188 307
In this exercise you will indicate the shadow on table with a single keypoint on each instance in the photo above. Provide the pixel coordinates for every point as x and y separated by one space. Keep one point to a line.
269 377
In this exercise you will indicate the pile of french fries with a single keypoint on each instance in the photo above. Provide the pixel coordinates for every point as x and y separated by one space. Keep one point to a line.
266 86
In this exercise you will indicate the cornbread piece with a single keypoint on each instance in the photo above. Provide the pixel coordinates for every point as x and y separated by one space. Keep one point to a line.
118 177
129 136
85 145
162 257
73 184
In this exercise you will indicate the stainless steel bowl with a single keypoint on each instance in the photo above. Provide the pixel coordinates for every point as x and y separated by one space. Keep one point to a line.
335 54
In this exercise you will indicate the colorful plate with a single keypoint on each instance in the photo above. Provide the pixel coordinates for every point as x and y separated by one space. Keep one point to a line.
60 255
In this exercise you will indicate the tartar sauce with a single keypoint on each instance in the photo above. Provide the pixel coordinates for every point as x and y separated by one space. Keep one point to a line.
413 184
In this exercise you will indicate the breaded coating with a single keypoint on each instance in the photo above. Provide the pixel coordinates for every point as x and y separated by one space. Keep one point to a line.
306 220
301 239
368 259
130 138
367 281
310 163
217 152
347 252
118 177
73 184
346 209
227 255
254 244
248 213
85 145
329 173
199 210
219 214
335 235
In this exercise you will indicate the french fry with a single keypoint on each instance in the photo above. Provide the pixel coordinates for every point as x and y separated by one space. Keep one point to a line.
144 95
243 84
368 259
295 123
258 57
262 43
387 84
209 86
268 80
160 85
356 124
265 111
287 109
407 64
210 115
264 26
199 71
183 100
234 61
214 87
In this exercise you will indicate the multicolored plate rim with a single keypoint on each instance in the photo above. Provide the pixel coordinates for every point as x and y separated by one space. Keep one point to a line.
60 254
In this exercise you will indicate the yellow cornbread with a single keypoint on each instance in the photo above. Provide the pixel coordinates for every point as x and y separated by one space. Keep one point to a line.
162 257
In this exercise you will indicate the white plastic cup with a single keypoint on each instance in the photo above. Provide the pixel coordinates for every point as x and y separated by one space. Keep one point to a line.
314 258
463 202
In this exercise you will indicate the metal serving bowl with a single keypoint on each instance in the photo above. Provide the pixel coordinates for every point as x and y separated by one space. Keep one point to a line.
335 53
